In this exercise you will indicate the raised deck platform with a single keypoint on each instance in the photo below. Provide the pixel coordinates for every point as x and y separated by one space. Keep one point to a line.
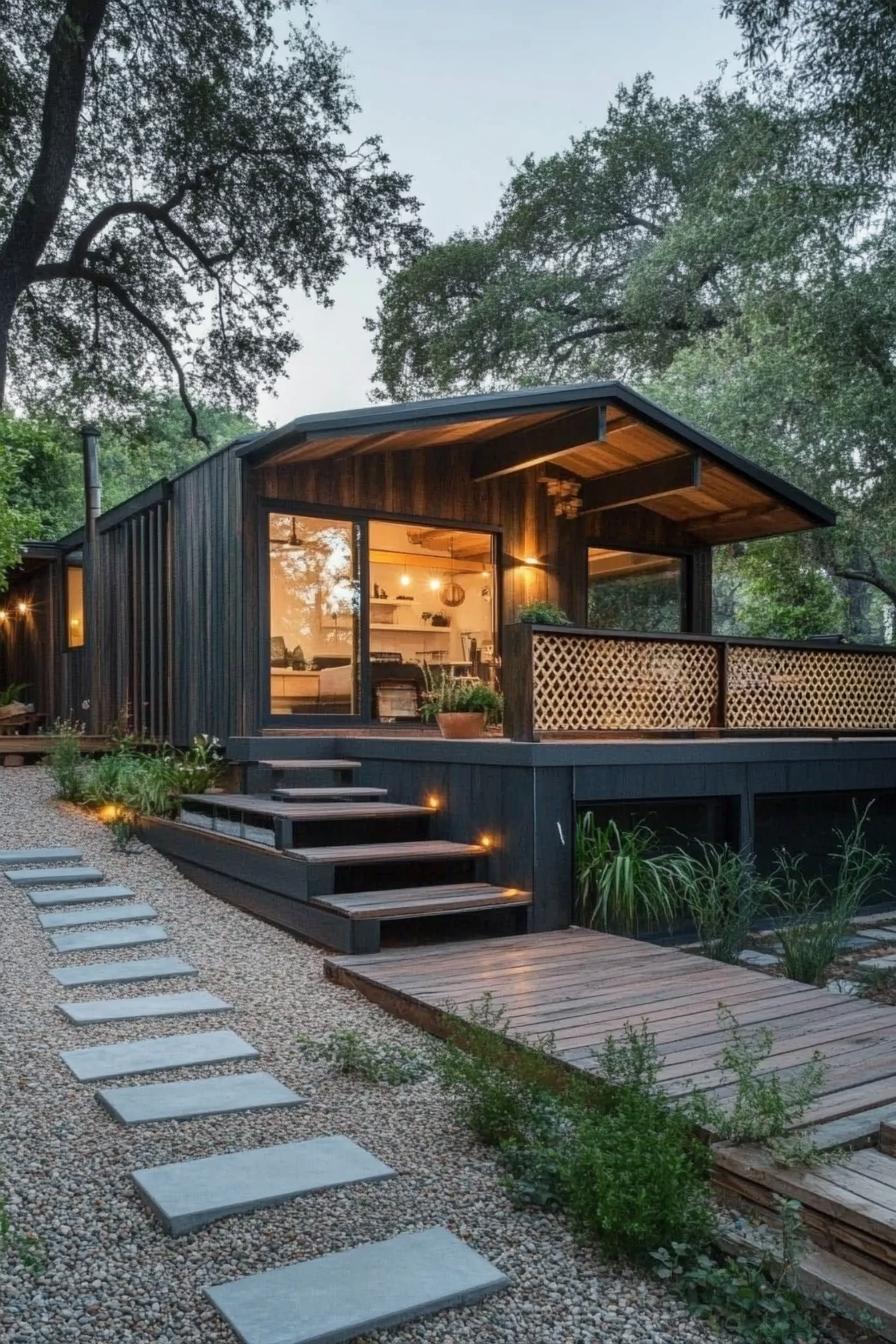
579 987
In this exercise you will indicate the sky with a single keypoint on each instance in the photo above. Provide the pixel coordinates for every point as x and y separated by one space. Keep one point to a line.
460 88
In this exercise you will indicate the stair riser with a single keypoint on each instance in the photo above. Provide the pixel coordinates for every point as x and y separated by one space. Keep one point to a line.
323 880
292 834
262 779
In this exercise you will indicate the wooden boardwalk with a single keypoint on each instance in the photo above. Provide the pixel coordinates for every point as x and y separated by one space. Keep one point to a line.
579 987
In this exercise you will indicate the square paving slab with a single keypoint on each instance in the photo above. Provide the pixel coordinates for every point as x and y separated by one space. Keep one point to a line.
107 914
196 1096
148 1005
94 938
78 895
120 972
26 877
186 1195
351 1293
43 856
160 1052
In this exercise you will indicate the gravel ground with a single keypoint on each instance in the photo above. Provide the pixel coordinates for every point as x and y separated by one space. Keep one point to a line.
112 1273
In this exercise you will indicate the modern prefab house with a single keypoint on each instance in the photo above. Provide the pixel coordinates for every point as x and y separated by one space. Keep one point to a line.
293 592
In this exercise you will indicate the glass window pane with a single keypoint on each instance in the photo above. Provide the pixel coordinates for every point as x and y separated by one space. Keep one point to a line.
74 606
314 615
632 591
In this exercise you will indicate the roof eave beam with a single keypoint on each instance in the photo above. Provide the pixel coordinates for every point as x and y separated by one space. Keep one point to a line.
637 485
541 443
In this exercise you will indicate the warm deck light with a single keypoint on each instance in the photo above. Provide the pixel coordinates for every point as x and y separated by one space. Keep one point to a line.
4 615
23 608
434 801
487 841
530 560
111 812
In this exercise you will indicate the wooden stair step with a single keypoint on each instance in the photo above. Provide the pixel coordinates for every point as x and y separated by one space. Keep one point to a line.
410 902
399 851
308 764
252 805
329 792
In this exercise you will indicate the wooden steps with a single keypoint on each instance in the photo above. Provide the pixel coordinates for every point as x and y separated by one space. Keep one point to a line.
310 764
329 792
408 851
251 805
417 902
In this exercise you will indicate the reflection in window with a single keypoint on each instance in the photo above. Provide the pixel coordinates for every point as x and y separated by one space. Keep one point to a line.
314 610
74 604
631 591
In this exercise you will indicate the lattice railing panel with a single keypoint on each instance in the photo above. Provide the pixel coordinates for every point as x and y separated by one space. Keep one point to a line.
591 683
810 688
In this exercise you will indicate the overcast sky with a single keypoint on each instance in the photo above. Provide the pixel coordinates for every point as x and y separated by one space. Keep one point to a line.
459 89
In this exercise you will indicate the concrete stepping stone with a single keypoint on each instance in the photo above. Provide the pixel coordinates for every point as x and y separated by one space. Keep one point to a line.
91 939
159 1052
350 1293
78 895
39 855
196 1096
876 964
750 957
27 877
149 1005
880 935
187 1195
120 972
108 914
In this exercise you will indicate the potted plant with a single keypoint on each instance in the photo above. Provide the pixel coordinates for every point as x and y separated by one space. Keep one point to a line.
543 613
11 707
461 706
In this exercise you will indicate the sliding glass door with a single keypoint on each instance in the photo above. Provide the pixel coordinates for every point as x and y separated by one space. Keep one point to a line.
314 597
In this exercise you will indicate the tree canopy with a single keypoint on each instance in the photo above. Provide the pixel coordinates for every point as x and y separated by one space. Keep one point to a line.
168 170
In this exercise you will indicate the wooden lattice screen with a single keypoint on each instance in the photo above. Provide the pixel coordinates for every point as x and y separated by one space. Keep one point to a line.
810 688
587 683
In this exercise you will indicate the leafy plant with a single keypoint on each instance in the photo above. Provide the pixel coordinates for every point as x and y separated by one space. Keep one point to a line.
819 912
753 1299
28 1248
765 1106
447 694
543 613
199 767
64 761
13 692
717 887
349 1053
624 884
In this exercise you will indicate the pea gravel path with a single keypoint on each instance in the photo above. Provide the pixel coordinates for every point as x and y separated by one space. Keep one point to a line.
113 1274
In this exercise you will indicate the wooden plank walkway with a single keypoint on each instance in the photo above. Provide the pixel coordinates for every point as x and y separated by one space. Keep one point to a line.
581 987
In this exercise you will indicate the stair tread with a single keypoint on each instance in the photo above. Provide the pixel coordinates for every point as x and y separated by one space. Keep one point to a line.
309 764
394 851
252 805
329 792
403 901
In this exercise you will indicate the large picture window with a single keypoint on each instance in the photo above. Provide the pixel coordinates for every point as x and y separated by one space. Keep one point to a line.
631 591
314 614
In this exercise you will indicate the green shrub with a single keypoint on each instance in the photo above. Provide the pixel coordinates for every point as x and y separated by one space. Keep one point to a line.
624 884
28 1248
448 694
64 761
543 613
350 1053
818 913
717 889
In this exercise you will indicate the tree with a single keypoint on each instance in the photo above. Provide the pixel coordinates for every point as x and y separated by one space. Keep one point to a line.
167 170
837 60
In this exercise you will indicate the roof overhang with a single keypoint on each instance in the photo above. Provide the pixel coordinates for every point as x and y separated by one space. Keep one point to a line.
621 448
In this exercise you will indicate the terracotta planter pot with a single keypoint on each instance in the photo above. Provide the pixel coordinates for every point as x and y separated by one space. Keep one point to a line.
461 725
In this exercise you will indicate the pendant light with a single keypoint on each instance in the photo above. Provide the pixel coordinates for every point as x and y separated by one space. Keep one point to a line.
291 543
452 595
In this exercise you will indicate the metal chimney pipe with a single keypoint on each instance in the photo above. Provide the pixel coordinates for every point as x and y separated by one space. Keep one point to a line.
93 495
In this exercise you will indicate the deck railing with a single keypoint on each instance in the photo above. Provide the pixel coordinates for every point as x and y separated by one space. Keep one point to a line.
565 681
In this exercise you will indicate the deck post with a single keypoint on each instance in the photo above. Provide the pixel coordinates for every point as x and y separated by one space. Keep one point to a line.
517 682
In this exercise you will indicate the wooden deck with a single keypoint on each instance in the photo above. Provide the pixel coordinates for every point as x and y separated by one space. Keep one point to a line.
578 987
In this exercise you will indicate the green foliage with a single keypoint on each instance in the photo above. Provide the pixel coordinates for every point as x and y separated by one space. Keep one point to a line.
447 694
376 1062
13 692
543 613
137 780
64 759
753 1299
27 1248
818 912
718 890
624 882
150 229
18 518
766 1106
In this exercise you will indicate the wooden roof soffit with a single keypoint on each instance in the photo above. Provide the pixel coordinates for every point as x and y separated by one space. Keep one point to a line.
636 485
540 443
636 528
